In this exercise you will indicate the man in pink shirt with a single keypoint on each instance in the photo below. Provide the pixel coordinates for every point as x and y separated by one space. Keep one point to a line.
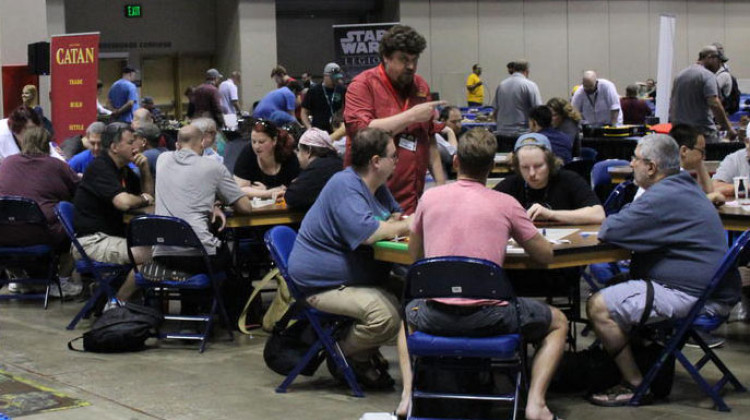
468 219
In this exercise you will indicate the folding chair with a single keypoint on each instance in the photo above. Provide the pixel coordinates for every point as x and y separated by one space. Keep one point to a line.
23 214
688 328
601 180
149 230
582 167
461 277
280 240
105 274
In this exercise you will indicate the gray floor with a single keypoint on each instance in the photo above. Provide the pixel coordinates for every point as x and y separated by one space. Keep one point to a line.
230 381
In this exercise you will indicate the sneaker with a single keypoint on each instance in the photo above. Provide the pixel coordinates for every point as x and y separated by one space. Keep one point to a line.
21 288
69 289
711 340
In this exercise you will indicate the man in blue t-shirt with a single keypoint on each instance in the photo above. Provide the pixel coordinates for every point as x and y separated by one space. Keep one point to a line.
285 99
355 208
123 96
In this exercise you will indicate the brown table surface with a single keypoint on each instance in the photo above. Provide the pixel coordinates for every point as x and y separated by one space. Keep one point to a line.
582 250
735 218
621 173
274 214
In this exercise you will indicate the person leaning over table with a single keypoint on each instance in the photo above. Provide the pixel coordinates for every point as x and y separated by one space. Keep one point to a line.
263 168
108 189
331 269
467 219
547 192
678 250
319 162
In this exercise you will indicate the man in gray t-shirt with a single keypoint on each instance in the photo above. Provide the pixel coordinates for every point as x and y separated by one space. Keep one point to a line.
514 99
734 164
695 97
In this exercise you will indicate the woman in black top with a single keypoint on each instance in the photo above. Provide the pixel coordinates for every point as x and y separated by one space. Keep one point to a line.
263 168
319 162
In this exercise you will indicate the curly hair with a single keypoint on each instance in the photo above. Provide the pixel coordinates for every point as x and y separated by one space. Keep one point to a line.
20 116
402 38
564 109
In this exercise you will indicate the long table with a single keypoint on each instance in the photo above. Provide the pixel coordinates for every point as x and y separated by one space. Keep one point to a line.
735 218
584 248
274 214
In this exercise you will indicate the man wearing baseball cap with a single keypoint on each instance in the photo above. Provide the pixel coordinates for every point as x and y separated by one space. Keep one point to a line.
324 99
207 99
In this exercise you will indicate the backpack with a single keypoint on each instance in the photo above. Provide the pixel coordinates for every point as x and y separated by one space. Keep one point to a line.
289 342
121 329
731 103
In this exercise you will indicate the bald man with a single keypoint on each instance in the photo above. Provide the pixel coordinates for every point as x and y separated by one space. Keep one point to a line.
597 100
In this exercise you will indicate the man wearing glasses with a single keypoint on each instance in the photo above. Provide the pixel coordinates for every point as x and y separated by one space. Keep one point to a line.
695 97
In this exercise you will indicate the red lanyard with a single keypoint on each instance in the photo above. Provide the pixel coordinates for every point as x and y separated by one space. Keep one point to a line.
391 89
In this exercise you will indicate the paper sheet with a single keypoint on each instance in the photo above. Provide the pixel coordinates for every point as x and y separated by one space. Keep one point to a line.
553 234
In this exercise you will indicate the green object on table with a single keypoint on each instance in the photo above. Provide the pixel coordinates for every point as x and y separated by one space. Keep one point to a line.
398 246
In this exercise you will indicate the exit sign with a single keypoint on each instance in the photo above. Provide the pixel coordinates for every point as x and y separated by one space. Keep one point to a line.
133 11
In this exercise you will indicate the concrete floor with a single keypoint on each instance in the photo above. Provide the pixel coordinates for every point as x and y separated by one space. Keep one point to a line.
230 380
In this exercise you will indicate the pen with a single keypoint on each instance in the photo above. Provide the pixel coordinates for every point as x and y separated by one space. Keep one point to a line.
544 232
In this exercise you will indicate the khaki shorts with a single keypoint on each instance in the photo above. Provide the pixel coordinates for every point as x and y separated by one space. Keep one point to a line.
104 248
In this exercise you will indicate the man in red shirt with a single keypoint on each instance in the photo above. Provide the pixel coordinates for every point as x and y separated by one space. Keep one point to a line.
394 98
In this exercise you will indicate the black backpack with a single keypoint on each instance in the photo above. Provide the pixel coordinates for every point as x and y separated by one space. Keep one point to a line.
731 103
121 329
288 344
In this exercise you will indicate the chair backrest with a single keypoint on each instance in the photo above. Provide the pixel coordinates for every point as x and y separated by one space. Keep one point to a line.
64 211
20 210
600 171
457 277
589 153
582 167
280 241
619 197
727 266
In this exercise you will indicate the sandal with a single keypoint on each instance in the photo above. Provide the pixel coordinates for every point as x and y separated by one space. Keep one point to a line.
617 396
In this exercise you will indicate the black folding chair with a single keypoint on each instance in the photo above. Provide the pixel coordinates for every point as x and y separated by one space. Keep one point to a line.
280 240
105 274
688 327
149 230
461 277
22 214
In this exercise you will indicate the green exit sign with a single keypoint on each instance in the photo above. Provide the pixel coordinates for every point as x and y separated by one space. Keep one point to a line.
133 11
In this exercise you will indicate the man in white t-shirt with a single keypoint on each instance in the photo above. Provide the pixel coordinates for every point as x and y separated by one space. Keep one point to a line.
230 101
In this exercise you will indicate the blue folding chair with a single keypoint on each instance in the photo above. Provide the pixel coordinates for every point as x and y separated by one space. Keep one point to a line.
24 215
688 327
601 180
461 277
105 274
280 240
149 230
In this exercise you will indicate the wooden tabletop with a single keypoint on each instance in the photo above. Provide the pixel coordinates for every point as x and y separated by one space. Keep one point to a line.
619 174
584 248
502 163
274 214
735 218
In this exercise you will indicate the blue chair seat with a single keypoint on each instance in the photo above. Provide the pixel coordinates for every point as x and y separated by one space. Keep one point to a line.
85 268
705 322
499 347
26 250
198 281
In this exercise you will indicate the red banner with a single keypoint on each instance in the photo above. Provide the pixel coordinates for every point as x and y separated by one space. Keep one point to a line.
74 67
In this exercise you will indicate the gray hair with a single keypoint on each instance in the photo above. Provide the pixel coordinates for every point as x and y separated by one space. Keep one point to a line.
663 151
204 124
96 127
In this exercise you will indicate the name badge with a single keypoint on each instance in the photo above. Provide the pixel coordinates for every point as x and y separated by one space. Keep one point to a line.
407 142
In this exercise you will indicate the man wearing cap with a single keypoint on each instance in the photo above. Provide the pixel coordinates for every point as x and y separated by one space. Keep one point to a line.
597 100
544 189
394 98
724 79
149 134
207 100
156 114
123 96
230 100
695 97
324 99
475 87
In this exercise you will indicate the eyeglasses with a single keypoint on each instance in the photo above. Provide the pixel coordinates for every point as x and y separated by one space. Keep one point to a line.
703 151
635 158
393 157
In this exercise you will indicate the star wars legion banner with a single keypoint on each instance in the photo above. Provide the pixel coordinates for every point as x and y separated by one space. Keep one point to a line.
74 67
357 46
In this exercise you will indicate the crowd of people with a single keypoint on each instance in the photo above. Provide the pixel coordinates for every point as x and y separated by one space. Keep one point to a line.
355 158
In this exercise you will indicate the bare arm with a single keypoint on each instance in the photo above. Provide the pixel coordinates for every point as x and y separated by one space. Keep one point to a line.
339 133
147 180
721 116
395 124
539 248
123 109
704 179
584 216
125 201
304 115
724 188
416 246
613 114
388 229
436 164
243 205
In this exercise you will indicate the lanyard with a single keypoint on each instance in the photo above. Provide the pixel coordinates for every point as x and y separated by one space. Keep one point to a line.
329 100
391 89
593 103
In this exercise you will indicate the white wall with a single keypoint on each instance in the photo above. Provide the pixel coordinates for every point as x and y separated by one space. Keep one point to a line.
617 38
